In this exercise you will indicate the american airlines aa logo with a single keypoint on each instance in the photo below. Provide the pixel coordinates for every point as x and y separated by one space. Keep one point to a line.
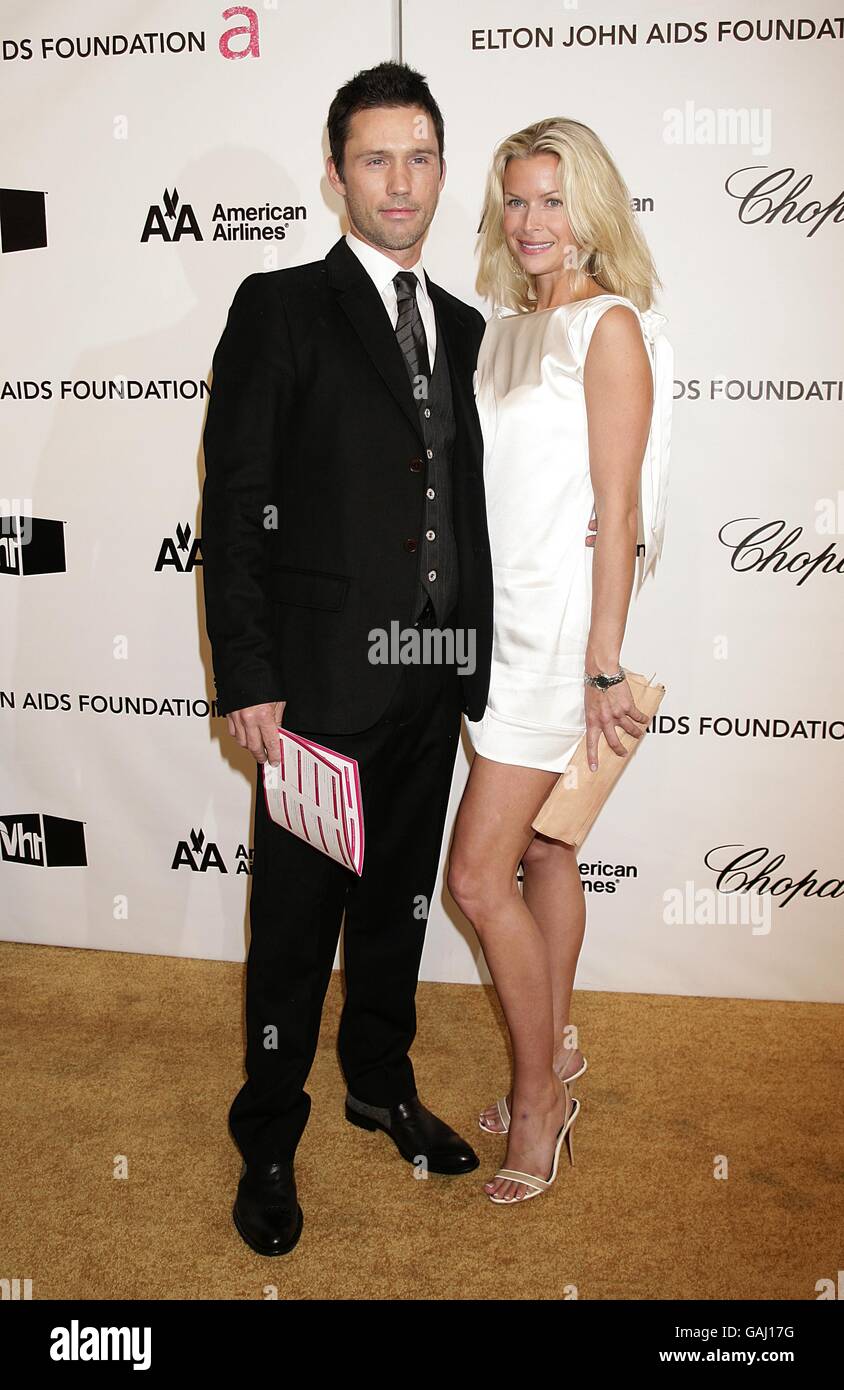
201 854
181 554
171 221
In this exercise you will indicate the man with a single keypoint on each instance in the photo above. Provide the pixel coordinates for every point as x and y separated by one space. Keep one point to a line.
344 492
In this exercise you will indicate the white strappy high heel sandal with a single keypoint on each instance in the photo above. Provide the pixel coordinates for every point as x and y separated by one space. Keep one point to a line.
504 1109
536 1186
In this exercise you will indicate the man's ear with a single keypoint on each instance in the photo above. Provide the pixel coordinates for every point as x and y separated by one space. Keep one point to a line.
333 177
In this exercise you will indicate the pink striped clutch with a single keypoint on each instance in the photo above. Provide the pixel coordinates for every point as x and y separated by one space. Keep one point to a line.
315 793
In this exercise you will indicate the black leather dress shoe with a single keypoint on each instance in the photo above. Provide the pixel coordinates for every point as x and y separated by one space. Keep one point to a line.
416 1133
266 1212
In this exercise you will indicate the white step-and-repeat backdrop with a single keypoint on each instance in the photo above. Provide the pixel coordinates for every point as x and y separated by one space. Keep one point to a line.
140 131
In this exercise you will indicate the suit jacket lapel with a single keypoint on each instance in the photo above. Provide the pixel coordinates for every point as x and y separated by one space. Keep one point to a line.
360 301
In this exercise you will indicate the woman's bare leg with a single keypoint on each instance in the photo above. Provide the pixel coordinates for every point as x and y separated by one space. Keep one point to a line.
553 892
491 835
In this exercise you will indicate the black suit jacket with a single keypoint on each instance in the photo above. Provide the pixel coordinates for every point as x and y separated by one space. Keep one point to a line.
314 492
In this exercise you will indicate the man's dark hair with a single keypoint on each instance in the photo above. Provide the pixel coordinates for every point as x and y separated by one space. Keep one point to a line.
388 84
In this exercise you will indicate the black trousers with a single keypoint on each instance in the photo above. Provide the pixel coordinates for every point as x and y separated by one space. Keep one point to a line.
298 898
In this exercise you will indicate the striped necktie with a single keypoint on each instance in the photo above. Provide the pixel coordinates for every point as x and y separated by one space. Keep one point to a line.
410 330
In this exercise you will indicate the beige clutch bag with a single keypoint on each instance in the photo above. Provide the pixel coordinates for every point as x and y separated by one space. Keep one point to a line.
568 812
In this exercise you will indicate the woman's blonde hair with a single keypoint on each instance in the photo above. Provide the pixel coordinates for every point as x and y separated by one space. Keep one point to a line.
610 246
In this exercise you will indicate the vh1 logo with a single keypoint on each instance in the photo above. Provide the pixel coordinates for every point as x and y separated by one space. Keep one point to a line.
30 544
48 842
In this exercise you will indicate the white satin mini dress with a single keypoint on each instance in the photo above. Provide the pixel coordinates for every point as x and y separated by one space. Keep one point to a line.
532 409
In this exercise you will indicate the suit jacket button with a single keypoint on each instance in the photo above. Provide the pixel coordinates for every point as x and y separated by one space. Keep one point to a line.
410 545
415 465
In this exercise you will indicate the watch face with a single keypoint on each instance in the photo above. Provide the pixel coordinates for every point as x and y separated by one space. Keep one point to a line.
602 682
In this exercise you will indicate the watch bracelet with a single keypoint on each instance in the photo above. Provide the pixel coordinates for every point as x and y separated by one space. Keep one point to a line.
611 680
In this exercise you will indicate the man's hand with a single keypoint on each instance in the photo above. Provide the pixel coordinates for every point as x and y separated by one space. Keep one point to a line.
256 728
593 527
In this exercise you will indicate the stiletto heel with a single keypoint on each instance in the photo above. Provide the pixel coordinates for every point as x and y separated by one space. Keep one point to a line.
536 1186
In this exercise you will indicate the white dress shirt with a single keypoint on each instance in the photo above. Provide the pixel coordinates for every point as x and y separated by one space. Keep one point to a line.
381 270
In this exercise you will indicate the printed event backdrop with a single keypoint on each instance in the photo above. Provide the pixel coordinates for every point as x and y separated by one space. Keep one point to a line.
125 821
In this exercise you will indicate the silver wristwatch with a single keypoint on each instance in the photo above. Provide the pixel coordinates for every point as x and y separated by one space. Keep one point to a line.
604 682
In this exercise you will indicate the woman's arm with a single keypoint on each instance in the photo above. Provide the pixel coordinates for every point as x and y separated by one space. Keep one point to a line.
618 387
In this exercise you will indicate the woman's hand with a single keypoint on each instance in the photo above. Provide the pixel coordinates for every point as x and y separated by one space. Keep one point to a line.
604 710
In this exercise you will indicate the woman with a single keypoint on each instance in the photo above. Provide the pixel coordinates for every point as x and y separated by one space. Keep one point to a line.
567 382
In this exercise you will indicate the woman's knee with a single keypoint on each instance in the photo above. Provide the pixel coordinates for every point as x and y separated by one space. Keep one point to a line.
544 851
463 879
545 857
474 888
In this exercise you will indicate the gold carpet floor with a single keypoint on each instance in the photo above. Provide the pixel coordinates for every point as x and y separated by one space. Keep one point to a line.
111 1058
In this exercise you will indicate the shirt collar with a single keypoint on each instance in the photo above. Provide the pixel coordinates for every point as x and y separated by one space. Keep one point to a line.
380 267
